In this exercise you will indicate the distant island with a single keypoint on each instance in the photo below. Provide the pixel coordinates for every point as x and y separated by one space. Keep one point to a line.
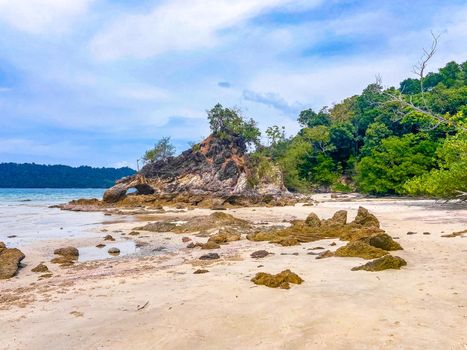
30 175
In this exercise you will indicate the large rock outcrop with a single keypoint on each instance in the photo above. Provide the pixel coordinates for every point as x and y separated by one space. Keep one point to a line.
214 172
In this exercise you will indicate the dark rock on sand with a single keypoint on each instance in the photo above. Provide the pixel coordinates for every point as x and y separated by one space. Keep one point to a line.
114 251
186 239
280 280
383 241
411 233
100 245
200 271
260 254
10 261
109 238
383 263
210 256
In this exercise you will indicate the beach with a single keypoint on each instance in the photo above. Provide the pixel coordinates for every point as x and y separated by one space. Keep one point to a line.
149 298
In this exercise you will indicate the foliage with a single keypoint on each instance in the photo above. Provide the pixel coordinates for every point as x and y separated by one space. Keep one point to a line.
380 145
450 179
59 176
228 122
162 150
397 160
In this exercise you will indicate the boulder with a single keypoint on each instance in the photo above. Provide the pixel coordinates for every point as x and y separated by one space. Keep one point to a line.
67 252
313 220
360 249
10 261
339 218
115 193
383 241
383 263
364 218
114 251
259 254
281 280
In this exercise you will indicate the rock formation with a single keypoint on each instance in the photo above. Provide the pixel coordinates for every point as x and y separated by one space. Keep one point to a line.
10 261
213 173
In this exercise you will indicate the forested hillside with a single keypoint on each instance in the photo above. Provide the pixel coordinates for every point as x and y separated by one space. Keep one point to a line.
14 175
406 140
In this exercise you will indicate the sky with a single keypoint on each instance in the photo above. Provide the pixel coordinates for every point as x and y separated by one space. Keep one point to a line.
97 82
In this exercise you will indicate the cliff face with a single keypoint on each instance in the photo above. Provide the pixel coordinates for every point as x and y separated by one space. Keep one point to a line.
215 168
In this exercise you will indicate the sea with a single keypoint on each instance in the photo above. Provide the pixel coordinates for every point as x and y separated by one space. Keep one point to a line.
26 216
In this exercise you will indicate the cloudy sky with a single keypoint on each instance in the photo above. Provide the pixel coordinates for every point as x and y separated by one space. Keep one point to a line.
96 82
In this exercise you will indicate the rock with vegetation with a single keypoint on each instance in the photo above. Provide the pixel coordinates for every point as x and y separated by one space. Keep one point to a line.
360 249
384 263
281 280
10 261
383 241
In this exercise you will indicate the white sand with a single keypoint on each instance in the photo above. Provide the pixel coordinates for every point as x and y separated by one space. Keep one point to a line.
94 305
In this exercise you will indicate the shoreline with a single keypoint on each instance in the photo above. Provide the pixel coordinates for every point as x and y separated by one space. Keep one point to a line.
423 305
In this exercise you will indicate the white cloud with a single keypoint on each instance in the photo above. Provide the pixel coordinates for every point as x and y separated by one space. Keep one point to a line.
38 16
176 25
144 93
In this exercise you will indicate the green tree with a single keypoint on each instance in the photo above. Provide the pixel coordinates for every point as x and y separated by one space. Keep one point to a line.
228 122
399 159
162 150
309 118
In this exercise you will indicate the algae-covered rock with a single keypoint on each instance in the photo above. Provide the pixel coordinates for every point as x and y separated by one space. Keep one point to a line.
67 251
339 218
40 268
280 280
360 249
225 236
286 241
383 263
383 241
64 260
325 254
10 261
313 220
160 226
364 218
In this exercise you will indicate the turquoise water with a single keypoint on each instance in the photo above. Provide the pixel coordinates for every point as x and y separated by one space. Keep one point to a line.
25 213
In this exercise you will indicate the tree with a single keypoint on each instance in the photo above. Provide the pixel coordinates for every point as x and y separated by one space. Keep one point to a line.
309 118
450 180
398 159
162 150
275 135
228 122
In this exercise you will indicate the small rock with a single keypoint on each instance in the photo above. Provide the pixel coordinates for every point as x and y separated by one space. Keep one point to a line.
12 236
325 254
210 256
100 245
191 245
411 233
133 233
159 249
333 244
259 254
109 238
67 251
186 239
315 248
40 268
114 251
426 233
199 271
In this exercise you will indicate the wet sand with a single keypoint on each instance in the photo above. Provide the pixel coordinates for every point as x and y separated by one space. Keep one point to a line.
95 304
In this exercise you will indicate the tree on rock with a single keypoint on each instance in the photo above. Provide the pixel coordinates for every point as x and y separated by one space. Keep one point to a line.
162 150
228 122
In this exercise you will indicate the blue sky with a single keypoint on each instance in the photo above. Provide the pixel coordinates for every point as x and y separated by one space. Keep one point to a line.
97 82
